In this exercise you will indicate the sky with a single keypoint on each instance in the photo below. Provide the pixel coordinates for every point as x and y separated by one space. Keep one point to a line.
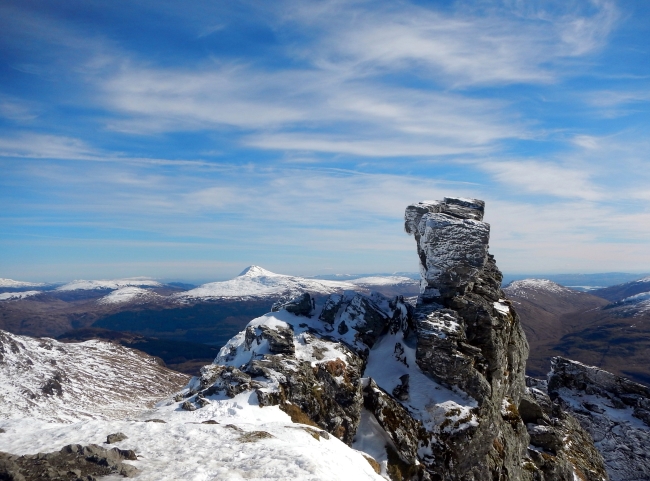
188 140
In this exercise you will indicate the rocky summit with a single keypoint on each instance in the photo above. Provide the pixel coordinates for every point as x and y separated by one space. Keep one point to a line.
434 390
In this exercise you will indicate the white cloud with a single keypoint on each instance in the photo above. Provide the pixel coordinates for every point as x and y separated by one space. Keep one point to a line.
27 144
493 45
544 178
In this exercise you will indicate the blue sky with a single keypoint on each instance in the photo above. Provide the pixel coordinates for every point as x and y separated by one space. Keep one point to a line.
187 140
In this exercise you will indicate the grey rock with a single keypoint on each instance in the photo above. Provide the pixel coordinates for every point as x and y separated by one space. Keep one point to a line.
303 305
612 409
343 328
407 434
452 244
401 391
330 310
280 339
545 437
73 461
116 438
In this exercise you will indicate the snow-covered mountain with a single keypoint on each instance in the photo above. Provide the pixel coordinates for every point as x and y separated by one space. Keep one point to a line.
52 381
384 281
129 294
528 288
256 282
13 296
352 386
18 284
621 291
109 284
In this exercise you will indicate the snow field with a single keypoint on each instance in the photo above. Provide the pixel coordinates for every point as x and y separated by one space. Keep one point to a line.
183 448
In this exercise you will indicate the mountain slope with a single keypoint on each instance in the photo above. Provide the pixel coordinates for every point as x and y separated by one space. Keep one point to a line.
579 325
547 314
621 291
53 381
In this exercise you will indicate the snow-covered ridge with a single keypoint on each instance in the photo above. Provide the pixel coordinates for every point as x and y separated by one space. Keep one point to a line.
128 294
258 282
523 287
636 305
54 381
229 438
109 284
14 296
12 283
383 281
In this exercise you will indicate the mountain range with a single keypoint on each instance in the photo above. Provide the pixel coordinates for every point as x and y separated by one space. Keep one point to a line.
184 327
339 385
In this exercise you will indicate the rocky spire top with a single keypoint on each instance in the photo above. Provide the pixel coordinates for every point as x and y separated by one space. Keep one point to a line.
452 243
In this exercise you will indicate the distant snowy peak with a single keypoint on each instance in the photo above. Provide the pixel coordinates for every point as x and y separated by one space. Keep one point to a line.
525 287
257 271
384 281
128 294
14 296
109 284
255 281
12 283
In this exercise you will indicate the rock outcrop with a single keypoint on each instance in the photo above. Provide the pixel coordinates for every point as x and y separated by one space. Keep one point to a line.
432 391
613 410
470 337
73 462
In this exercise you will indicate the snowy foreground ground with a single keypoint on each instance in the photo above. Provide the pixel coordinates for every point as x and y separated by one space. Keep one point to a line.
249 443
246 442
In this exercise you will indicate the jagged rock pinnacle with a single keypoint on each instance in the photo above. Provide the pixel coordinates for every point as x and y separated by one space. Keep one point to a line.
452 243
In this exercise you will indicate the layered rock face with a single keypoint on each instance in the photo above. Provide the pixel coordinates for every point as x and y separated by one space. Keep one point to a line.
434 391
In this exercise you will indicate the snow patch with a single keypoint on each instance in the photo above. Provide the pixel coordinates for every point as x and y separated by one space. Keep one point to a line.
384 281
109 284
12 296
